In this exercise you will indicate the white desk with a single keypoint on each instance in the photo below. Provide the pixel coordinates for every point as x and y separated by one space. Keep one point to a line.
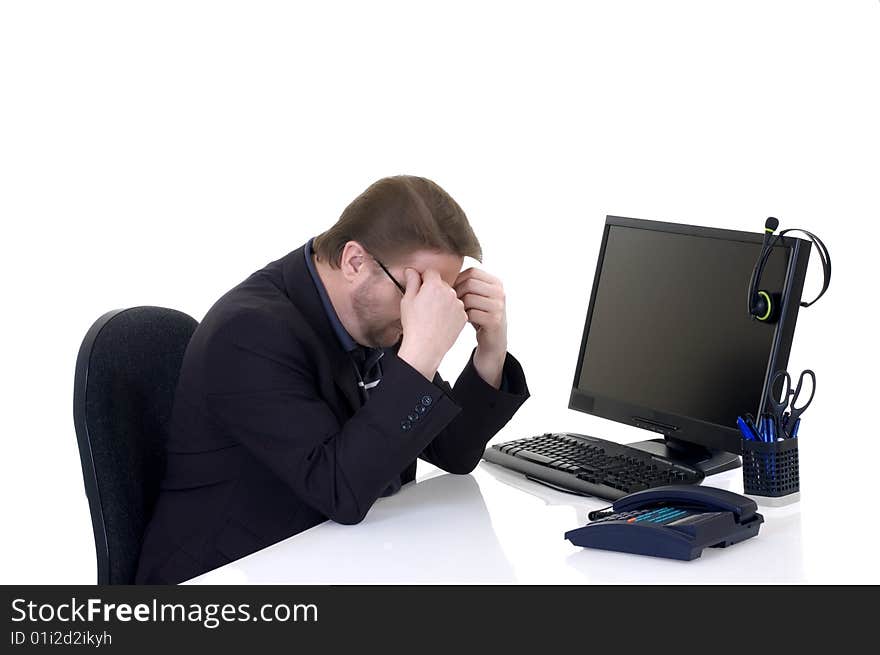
494 526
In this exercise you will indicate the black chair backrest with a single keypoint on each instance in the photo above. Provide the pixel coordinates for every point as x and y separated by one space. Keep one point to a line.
126 375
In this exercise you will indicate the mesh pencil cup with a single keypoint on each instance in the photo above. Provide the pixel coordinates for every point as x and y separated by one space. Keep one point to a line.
770 469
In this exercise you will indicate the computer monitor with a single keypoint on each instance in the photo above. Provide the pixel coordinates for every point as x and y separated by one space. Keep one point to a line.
669 344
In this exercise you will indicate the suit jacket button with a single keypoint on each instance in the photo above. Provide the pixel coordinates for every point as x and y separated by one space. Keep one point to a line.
420 409
427 400
405 425
413 417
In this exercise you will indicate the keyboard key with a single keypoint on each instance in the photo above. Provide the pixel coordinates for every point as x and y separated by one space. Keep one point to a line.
534 457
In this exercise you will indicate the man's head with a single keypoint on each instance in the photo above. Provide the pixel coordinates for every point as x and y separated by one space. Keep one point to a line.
399 222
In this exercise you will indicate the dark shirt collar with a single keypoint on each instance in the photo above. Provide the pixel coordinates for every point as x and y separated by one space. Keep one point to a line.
345 339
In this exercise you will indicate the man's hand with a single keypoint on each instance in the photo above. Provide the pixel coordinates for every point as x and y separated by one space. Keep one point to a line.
484 302
432 317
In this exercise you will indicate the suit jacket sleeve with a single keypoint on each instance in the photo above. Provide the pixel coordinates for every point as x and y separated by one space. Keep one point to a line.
484 411
261 390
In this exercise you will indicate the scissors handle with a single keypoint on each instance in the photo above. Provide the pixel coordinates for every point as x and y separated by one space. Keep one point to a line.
786 410
795 396
777 407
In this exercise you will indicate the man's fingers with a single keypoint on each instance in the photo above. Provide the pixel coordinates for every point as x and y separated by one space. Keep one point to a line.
478 274
475 286
413 281
473 301
430 274
481 318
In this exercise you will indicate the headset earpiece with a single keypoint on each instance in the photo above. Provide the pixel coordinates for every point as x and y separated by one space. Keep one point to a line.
765 305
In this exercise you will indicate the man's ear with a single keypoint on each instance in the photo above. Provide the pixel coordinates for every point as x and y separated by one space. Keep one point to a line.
352 260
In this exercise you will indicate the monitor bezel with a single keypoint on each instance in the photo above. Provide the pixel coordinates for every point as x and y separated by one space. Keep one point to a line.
675 426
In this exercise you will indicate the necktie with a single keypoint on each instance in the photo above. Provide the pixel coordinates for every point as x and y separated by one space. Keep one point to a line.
369 371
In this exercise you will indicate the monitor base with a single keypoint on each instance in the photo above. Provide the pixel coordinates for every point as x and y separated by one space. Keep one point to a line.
708 461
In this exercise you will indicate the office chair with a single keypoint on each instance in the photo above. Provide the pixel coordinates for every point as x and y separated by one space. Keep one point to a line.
126 375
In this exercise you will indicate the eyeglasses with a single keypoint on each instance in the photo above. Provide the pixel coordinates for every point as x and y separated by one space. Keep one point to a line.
402 289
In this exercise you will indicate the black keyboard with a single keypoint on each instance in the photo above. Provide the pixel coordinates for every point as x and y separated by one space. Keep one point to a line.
589 466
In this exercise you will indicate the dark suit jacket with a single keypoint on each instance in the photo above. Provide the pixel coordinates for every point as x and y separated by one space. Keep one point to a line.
268 436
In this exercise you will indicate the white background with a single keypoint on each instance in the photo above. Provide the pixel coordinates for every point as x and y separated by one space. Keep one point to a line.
158 153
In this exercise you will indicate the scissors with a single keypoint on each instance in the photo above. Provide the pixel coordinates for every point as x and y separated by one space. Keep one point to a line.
786 412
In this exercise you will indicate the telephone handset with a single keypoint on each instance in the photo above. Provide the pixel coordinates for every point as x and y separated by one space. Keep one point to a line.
675 521
708 498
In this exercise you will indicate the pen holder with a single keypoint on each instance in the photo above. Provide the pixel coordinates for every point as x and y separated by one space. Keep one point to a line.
770 469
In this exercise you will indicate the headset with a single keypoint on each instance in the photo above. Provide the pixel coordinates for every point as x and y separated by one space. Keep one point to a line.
764 305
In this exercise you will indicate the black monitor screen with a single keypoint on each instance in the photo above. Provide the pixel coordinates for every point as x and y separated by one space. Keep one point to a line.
670 330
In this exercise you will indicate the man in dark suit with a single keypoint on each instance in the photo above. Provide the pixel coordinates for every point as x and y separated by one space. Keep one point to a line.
310 389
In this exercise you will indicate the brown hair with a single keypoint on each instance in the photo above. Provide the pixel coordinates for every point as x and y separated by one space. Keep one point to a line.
396 216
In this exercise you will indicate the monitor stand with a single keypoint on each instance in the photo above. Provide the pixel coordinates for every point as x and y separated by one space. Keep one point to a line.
708 461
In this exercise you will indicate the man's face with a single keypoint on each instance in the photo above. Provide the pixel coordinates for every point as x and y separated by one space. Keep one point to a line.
376 300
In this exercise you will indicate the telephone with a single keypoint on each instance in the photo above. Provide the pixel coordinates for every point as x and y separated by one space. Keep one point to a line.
674 521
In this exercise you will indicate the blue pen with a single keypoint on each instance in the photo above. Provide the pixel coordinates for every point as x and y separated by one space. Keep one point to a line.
753 429
745 429
768 430
750 421
794 429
